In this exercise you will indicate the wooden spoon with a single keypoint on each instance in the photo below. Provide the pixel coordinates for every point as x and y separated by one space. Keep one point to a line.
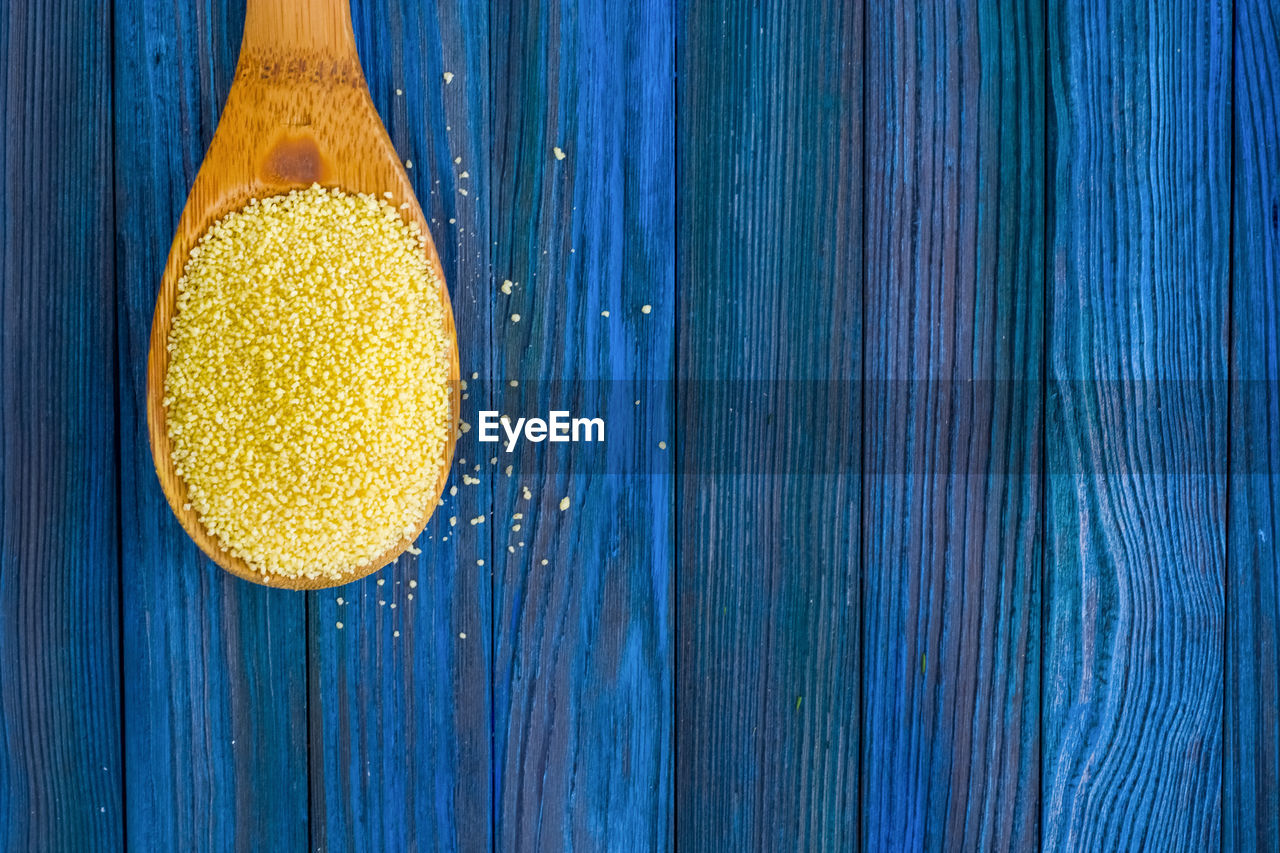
298 113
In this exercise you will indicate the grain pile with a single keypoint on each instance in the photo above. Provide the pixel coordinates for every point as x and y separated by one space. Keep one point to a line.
307 396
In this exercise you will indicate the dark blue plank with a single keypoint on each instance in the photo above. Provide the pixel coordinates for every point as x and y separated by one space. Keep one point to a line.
215 668
59 585
1136 425
1251 775
769 260
953 413
399 695
582 597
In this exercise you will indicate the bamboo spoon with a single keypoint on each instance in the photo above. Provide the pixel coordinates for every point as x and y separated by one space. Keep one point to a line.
298 113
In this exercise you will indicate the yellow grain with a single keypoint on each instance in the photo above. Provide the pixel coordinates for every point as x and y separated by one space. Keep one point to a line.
307 397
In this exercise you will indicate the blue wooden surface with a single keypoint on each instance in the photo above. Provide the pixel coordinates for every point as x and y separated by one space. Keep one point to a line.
214 676
583 644
399 697
60 770
769 249
1251 735
1136 425
1017 590
953 342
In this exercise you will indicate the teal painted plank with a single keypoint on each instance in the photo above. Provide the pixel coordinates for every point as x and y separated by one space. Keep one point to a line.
953 418
769 260
583 661
399 695
1136 425
214 667
60 762
1251 775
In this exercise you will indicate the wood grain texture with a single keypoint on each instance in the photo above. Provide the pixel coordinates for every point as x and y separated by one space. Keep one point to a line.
583 652
1136 425
214 668
769 255
399 695
60 770
1251 749
953 342
831 614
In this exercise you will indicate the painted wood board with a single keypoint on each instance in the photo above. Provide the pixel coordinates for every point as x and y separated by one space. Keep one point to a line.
399 695
1136 425
60 765
583 643
811 621
214 674
1251 734
769 318
953 409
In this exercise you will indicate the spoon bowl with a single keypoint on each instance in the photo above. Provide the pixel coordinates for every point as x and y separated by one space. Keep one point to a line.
298 113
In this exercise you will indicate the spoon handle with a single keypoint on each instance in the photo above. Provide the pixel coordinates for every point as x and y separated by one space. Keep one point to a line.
307 27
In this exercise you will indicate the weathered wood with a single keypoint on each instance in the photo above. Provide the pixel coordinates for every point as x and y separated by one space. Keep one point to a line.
1251 773
399 696
60 768
769 259
1136 425
214 667
583 652
689 667
953 417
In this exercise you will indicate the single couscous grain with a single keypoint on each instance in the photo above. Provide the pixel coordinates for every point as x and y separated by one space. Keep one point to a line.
307 396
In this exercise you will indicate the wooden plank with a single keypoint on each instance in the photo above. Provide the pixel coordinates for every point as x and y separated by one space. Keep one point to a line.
583 661
953 418
769 259
399 695
1136 425
214 668
59 538
1251 773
